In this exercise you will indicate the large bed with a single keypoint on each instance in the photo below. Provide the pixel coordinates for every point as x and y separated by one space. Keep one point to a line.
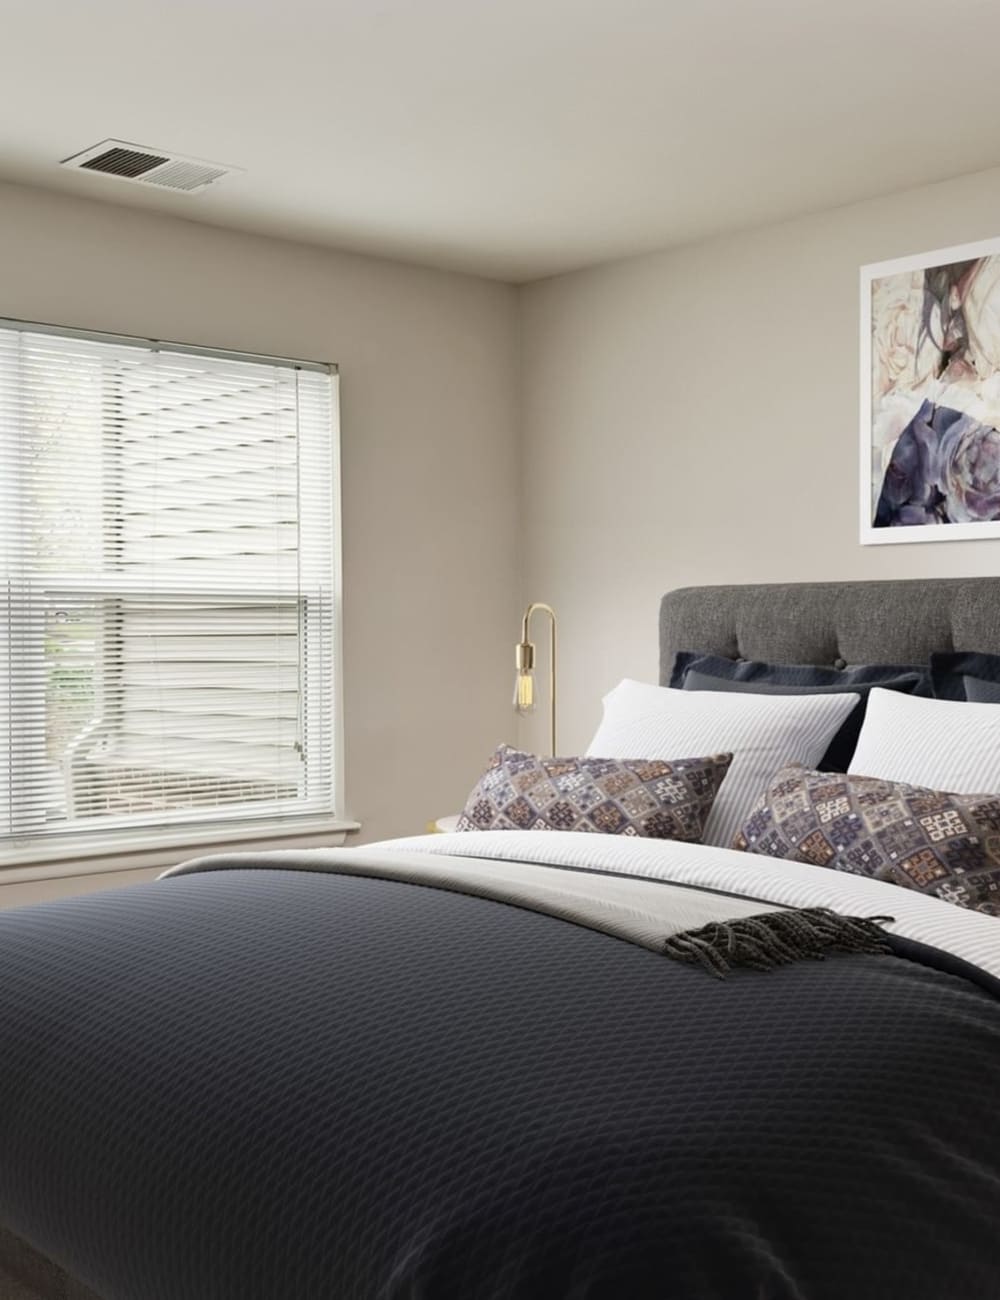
460 1067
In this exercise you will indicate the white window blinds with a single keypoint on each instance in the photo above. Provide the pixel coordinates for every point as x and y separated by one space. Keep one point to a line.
168 543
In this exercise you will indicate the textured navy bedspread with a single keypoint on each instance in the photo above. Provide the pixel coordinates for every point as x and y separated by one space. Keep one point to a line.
271 1085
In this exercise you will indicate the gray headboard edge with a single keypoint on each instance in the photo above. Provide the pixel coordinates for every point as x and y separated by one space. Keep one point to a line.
901 622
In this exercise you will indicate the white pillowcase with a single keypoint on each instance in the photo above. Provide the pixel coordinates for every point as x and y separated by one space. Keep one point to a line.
762 732
942 744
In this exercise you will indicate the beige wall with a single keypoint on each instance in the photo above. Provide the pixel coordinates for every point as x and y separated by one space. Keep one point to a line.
687 417
429 446
692 417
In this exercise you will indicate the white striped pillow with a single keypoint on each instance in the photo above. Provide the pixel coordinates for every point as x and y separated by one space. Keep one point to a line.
762 732
948 745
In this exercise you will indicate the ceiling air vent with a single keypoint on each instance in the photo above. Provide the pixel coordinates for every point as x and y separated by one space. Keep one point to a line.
133 162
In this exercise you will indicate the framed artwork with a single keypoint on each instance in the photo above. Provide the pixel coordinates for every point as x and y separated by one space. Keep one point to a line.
930 396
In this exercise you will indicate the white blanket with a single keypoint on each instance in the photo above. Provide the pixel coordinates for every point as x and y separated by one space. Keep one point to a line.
971 936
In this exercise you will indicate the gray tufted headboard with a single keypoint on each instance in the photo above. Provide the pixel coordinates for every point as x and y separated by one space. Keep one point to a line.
833 623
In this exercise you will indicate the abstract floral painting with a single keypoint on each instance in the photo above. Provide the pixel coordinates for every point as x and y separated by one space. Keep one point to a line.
930 417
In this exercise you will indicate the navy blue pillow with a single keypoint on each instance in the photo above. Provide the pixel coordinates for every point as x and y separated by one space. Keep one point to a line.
981 692
698 672
966 675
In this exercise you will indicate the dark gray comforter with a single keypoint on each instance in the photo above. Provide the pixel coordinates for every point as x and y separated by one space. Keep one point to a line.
261 1085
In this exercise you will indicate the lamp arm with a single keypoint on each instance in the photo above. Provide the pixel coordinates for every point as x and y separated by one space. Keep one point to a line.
546 609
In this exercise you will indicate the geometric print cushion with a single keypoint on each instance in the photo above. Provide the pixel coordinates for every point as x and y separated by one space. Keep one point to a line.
947 845
651 797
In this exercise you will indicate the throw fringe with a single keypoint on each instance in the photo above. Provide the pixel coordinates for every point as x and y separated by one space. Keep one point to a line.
777 938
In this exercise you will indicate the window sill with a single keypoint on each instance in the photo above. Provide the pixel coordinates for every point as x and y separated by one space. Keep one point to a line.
148 852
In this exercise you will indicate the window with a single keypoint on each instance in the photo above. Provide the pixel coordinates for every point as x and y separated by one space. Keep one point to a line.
170 613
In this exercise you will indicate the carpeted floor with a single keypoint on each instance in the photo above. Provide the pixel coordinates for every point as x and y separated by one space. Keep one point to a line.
11 1288
27 1275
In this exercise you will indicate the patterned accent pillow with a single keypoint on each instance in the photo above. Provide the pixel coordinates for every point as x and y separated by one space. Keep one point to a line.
652 797
947 845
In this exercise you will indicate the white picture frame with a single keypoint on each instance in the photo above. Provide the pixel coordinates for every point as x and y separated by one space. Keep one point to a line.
881 412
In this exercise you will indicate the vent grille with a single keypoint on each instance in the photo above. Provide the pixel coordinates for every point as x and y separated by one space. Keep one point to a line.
123 162
166 171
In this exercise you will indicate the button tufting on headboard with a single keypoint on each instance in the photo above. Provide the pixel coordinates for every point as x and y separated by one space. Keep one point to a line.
835 623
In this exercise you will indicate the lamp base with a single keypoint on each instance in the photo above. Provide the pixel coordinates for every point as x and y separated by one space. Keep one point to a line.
443 825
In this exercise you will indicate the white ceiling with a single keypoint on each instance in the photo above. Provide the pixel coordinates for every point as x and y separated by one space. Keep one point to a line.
513 138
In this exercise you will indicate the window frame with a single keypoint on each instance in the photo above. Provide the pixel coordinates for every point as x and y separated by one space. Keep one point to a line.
225 825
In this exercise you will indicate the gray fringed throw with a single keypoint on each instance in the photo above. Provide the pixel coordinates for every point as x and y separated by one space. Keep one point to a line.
776 938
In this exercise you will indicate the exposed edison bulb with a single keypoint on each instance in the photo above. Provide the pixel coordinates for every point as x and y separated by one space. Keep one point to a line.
524 692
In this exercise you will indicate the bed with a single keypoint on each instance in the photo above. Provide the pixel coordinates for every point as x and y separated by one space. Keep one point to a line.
458 1067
